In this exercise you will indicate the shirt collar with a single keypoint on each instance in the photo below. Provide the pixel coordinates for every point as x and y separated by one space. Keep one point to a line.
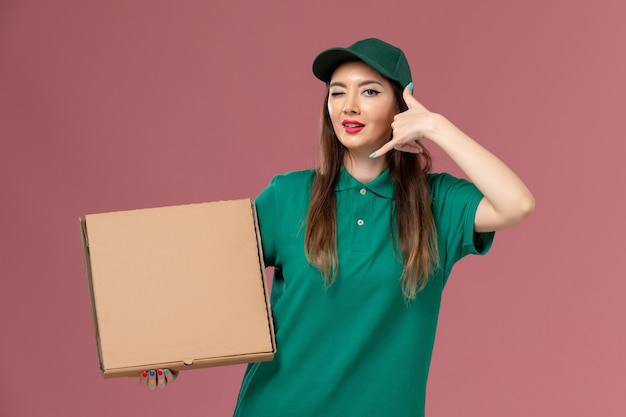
381 185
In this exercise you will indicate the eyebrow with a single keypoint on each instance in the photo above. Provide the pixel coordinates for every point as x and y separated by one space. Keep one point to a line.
361 84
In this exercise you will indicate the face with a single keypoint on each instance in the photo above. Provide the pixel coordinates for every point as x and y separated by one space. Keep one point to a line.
361 105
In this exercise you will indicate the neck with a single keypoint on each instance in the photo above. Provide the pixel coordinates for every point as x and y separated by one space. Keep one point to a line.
364 169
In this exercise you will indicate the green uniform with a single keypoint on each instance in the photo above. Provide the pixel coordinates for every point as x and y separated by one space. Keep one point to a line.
356 348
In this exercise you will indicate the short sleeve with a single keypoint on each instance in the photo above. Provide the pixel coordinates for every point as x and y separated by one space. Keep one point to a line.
454 202
266 210
281 210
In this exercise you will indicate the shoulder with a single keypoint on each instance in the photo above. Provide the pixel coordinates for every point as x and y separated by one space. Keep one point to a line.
287 188
437 180
294 179
449 193
291 185
441 183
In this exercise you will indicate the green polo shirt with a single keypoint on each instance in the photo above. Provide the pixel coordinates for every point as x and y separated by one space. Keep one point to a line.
356 348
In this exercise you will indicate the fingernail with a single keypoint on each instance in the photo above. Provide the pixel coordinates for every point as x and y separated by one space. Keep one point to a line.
144 374
160 372
165 371
411 87
372 154
151 372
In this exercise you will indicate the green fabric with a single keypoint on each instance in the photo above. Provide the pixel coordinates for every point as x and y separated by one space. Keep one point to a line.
385 58
356 348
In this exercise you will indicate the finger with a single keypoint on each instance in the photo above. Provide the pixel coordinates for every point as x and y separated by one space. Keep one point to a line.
152 379
384 149
160 379
412 147
170 376
410 101
143 379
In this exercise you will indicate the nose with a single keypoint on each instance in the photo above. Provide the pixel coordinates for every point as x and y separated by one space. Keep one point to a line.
350 105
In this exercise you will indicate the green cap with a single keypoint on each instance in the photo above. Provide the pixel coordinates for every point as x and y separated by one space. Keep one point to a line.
383 57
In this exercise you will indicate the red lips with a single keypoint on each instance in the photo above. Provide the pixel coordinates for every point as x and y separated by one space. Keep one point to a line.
352 126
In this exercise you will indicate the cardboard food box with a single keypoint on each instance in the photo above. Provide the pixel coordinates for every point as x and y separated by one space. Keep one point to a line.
177 287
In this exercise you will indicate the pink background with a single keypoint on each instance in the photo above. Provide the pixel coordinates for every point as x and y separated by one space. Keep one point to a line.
113 105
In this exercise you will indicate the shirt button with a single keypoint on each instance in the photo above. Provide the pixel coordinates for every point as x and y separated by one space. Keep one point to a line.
363 191
359 222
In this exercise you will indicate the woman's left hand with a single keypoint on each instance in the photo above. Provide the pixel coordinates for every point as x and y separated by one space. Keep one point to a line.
157 378
410 126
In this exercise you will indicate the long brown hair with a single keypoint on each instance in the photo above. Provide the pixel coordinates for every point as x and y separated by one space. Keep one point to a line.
416 228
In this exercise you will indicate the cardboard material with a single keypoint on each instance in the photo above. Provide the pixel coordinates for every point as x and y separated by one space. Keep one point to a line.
178 287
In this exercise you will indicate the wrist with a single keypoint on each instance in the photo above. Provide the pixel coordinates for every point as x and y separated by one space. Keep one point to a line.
440 129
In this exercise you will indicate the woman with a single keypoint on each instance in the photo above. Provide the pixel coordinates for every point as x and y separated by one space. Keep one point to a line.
363 245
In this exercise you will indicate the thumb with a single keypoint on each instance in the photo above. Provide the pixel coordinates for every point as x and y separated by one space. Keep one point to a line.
410 101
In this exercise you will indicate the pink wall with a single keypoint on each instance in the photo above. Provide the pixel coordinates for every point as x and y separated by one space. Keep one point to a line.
112 105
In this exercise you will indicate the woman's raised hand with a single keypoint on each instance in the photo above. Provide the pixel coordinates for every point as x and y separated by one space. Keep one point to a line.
410 126
157 378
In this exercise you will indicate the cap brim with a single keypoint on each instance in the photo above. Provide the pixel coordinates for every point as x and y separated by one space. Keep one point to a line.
326 62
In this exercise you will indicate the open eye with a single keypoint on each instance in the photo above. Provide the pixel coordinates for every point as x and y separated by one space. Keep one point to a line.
370 92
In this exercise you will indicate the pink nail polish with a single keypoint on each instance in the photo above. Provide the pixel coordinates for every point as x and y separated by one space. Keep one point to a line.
160 372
